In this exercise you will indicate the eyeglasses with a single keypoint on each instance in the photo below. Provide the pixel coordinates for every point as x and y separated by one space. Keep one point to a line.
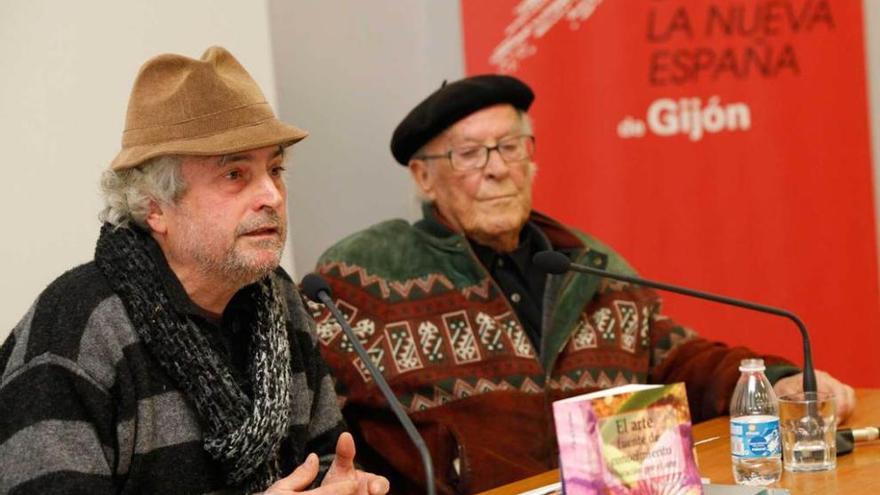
476 156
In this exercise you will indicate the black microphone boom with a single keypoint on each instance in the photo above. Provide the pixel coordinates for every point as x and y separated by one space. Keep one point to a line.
557 263
317 290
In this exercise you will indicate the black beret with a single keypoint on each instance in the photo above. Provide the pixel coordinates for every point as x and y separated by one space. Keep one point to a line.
451 103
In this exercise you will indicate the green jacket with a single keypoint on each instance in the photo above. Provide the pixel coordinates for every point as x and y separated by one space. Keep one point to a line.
457 357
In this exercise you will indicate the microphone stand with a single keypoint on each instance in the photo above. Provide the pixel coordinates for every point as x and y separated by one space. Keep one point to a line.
316 288
549 261
555 262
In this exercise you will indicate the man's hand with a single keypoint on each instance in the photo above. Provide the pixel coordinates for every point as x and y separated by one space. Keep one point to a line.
843 394
341 479
343 470
303 476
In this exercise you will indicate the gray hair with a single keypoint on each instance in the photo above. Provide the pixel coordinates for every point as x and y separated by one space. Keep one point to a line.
129 192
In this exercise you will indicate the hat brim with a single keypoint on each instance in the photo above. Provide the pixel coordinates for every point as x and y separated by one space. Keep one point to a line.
266 133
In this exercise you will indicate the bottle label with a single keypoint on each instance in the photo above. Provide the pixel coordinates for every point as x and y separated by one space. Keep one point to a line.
754 436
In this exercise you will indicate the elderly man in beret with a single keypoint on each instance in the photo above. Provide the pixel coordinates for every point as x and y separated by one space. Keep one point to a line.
182 359
474 339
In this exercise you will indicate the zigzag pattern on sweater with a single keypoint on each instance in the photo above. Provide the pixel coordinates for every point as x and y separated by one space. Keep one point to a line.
582 381
429 284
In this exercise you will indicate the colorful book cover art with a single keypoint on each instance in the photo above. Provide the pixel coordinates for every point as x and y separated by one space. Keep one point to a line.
628 440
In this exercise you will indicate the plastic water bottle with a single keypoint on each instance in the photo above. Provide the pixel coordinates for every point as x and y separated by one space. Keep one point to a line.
754 427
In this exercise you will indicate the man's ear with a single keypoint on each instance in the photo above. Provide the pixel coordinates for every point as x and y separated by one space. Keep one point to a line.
156 219
423 178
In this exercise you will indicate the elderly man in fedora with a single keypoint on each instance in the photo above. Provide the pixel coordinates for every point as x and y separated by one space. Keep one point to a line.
180 360
474 339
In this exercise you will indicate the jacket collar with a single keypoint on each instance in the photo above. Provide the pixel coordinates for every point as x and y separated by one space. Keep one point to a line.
563 301
435 227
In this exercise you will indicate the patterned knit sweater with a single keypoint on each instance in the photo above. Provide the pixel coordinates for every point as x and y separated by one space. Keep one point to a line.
457 357
85 408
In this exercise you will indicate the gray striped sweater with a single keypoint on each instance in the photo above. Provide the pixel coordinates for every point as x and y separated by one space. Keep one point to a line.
84 407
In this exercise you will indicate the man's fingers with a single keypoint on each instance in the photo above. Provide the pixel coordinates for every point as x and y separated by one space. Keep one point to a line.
372 484
342 466
844 395
841 400
378 485
345 487
788 385
345 451
846 402
299 479
341 479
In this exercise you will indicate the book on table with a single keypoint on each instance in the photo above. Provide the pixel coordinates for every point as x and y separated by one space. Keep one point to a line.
634 439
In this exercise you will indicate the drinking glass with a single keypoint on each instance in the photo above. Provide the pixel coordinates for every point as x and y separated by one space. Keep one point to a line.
808 421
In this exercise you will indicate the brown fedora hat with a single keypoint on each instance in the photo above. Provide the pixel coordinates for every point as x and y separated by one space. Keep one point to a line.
212 106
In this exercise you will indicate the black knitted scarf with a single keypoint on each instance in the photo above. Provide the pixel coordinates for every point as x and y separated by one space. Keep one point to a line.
242 434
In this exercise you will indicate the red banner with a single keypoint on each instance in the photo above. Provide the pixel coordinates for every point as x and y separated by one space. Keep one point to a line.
718 144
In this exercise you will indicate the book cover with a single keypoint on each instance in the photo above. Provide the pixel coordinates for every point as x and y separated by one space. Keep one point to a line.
634 439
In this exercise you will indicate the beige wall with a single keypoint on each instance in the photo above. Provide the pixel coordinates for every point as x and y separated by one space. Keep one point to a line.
67 70
348 71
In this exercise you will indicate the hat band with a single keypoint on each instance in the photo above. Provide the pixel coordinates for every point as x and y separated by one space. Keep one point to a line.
205 125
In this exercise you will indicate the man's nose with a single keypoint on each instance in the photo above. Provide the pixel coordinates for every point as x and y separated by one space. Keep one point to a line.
269 193
495 165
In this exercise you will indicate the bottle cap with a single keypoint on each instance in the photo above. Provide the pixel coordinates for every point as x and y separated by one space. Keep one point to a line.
753 364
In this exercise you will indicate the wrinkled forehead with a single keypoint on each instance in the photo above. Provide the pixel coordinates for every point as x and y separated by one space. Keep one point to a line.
490 122
203 167
268 153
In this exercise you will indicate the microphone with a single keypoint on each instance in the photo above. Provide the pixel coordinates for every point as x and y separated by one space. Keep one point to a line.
317 290
847 438
558 263
865 434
